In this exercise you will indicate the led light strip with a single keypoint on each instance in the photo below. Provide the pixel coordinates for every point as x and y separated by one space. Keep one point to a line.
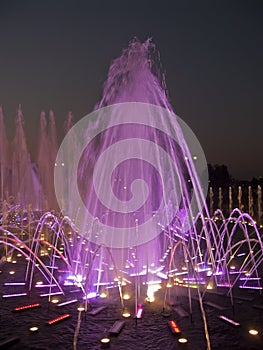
45 285
49 294
68 302
13 295
139 313
174 327
25 307
250 287
58 319
224 318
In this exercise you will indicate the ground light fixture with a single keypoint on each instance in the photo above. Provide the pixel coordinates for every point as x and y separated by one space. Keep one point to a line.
182 340
126 296
81 308
103 294
126 313
105 341
26 307
58 319
253 332
33 329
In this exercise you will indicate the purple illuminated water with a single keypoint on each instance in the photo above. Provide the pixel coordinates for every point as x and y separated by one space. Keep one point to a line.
195 251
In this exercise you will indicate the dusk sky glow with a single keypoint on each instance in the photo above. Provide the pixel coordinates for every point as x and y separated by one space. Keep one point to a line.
55 55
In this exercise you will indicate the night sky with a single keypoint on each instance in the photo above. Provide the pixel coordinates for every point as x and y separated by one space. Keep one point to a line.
55 54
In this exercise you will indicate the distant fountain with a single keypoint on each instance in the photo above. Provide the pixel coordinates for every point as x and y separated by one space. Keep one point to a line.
230 198
250 202
4 159
24 180
211 201
47 152
220 198
239 198
259 193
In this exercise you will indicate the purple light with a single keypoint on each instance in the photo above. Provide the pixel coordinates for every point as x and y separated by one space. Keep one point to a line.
248 287
13 295
49 294
45 285
90 295
139 313
68 302
224 318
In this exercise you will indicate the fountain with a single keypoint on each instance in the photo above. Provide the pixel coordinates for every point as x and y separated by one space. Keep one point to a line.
171 246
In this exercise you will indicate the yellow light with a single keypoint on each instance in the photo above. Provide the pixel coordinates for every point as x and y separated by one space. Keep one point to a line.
105 340
33 329
126 296
253 332
81 308
103 294
11 272
55 301
209 286
126 313
182 340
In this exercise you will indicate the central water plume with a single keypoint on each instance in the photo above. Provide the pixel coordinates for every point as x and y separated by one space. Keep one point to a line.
132 184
